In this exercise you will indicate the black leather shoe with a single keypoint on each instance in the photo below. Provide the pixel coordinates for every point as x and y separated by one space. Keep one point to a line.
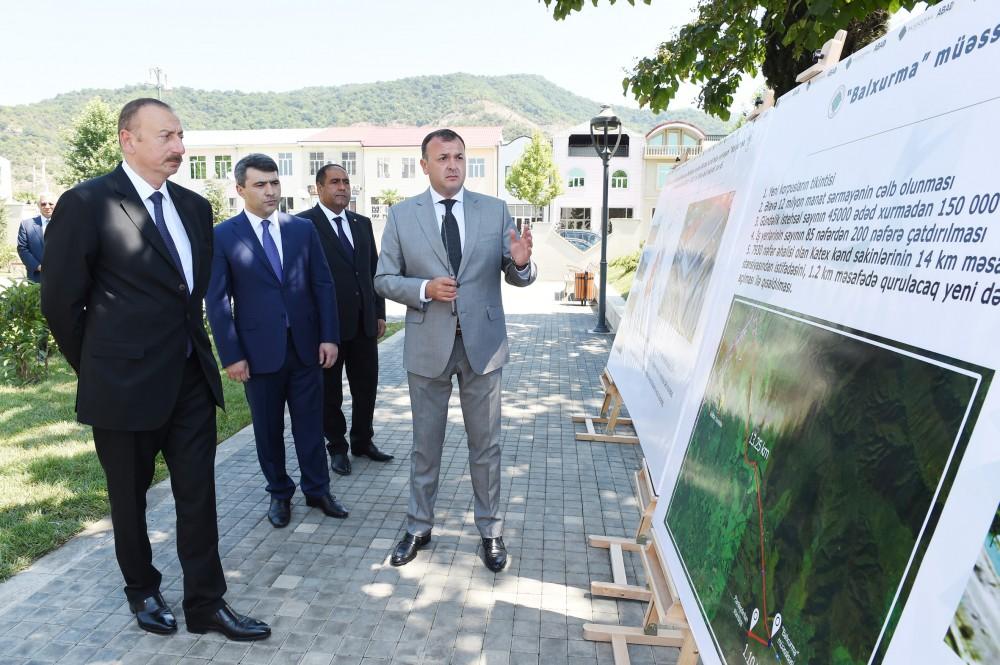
280 512
340 464
494 554
373 453
233 625
153 615
328 504
407 548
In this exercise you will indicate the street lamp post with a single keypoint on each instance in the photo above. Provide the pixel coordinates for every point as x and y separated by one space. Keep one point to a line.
601 126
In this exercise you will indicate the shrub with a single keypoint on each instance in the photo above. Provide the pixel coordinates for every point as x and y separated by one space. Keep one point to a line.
628 262
24 334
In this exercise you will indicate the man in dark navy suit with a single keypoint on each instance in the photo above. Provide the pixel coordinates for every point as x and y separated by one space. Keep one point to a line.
31 237
127 259
273 311
349 245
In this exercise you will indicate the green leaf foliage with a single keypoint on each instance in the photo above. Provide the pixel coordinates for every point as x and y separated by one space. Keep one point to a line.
24 335
92 145
729 38
533 177
215 192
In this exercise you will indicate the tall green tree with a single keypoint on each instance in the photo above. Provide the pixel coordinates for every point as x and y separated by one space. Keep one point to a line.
215 192
92 144
534 177
730 38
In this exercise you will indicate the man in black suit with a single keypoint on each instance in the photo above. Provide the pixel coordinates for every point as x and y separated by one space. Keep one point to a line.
31 237
127 262
349 245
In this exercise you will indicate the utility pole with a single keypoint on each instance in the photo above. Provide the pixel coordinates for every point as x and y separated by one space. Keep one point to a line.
158 78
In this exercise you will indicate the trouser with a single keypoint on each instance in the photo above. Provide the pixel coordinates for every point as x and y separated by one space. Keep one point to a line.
359 356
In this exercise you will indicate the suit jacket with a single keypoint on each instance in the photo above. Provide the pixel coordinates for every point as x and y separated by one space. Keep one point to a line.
353 275
412 251
30 244
118 306
247 304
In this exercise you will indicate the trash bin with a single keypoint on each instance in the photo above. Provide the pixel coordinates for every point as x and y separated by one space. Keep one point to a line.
583 287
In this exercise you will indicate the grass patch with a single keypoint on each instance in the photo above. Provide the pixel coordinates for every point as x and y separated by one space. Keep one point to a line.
51 483
621 279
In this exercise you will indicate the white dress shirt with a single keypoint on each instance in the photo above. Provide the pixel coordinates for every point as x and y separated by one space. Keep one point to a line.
258 228
45 224
170 215
458 210
344 223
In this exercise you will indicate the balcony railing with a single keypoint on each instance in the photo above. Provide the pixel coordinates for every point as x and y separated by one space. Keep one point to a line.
672 150
380 211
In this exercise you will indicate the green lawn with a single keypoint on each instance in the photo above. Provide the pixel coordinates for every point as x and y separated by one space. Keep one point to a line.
51 484
621 279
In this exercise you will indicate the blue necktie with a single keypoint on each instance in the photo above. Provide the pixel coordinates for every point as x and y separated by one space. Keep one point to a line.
271 250
338 220
161 226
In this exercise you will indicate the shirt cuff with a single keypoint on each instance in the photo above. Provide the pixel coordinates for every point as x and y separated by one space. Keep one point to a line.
523 272
423 291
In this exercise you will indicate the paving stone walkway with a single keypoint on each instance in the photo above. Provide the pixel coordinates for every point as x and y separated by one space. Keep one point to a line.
326 586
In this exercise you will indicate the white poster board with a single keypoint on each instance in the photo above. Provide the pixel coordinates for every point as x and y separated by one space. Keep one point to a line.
838 462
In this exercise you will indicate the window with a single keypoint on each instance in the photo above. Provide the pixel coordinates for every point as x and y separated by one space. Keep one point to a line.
506 172
232 203
286 204
316 162
662 171
524 213
476 167
349 160
382 167
574 218
409 167
619 180
223 166
575 178
285 163
199 168
619 213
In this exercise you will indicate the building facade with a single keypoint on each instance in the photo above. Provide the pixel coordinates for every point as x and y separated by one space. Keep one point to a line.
382 162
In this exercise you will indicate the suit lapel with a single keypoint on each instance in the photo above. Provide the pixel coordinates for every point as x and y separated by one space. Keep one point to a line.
244 231
427 219
36 228
473 215
139 215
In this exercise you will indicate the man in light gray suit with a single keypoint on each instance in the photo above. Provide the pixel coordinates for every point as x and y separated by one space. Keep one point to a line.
443 253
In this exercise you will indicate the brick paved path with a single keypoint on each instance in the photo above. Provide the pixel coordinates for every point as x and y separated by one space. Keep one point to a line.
325 585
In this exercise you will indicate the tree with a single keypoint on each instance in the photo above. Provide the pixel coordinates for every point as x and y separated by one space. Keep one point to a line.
92 148
533 177
732 37
390 197
215 192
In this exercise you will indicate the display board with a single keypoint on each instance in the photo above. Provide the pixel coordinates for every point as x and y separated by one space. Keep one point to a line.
660 340
835 451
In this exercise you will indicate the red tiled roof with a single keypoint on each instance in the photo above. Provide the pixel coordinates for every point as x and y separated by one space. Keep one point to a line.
372 136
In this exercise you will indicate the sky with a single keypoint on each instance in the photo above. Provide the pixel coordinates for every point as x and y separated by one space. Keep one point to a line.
55 46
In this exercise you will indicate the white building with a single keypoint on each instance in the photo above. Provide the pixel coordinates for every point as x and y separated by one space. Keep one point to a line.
667 145
378 159
6 187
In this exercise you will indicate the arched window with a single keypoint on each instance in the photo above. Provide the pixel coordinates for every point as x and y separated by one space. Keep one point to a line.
575 178
619 180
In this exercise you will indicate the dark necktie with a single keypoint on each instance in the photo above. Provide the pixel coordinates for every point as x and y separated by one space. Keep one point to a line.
270 249
168 240
450 236
161 226
339 221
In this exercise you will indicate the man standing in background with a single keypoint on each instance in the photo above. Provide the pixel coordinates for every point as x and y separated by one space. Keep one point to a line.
349 245
31 237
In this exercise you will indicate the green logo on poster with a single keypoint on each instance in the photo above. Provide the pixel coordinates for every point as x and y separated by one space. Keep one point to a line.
835 103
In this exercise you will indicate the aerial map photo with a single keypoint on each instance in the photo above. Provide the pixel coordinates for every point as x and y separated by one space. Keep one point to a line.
814 476
974 633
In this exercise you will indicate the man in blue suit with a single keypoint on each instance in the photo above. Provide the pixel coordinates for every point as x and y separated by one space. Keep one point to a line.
31 237
273 311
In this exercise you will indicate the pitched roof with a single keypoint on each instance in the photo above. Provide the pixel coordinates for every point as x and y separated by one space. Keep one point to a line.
372 136
366 135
